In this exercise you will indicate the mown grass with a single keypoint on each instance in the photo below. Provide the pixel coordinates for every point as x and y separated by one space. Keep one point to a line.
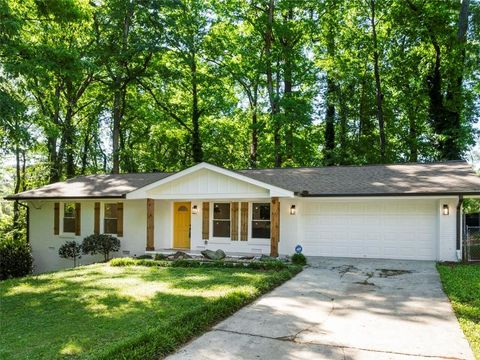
133 312
462 285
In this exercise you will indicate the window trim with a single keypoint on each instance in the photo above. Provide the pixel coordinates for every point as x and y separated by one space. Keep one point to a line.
61 232
212 219
250 221
102 218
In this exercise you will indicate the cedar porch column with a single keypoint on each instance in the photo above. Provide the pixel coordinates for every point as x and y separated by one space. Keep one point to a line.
275 227
150 224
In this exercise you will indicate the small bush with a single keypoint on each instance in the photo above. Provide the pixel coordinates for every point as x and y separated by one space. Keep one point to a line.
299 259
160 257
70 250
146 256
100 244
15 259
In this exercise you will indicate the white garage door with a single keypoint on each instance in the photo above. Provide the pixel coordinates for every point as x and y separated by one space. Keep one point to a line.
388 229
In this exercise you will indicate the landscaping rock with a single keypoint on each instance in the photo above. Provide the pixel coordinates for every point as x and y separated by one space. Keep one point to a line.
221 254
214 255
180 255
246 258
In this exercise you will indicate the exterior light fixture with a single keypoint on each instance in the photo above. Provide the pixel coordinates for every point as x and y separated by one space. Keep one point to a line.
446 210
195 209
293 210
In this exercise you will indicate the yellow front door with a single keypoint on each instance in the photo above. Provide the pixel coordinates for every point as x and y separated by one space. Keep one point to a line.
181 225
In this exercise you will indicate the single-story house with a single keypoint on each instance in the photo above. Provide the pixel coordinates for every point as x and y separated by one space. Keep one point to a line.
409 211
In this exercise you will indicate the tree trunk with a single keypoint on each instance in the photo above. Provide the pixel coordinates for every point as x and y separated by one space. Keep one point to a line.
412 135
454 98
328 154
342 136
197 151
254 144
436 110
378 84
272 94
287 45
117 118
53 153
69 143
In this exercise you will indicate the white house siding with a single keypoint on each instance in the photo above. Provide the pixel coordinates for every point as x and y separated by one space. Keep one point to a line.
447 229
206 184
45 244
391 228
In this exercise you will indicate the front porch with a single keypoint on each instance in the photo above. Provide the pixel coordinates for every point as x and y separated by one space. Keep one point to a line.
240 227
207 207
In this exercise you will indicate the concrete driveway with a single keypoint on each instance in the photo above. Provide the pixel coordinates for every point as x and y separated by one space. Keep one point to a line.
342 309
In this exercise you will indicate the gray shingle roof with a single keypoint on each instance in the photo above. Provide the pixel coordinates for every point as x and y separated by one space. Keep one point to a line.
93 186
454 177
451 177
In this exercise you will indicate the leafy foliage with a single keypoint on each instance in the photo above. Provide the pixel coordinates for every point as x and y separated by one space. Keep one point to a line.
115 86
299 259
15 258
100 244
70 250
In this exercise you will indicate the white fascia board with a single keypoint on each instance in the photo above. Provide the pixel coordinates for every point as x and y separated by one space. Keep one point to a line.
211 197
376 197
274 190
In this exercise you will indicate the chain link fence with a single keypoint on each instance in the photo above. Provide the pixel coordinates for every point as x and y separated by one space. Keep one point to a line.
472 243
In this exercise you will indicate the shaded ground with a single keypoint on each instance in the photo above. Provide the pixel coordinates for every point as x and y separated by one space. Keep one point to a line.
343 309
104 312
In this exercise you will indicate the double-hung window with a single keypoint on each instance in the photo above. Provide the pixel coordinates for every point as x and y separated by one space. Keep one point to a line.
69 217
221 220
110 219
261 220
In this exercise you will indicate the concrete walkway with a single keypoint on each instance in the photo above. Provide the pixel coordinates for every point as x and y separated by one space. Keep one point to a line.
342 309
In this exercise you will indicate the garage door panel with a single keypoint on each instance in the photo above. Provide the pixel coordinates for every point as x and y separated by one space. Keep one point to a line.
397 229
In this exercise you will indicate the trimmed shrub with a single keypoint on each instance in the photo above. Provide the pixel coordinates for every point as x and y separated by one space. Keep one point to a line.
15 259
299 259
160 257
146 256
71 250
275 265
100 244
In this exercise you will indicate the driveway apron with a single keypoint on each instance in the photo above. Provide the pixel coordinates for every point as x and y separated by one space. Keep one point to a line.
342 309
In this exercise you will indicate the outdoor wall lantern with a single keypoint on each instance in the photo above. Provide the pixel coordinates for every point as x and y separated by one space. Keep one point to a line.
446 210
195 209
293 210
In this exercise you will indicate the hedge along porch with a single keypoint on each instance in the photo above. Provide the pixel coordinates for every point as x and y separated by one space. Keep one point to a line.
205 207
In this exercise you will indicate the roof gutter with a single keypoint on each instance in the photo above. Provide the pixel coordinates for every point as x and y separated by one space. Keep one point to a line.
16 198
307 194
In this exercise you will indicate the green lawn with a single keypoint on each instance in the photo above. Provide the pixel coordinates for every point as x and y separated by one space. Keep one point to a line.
462 285
106 312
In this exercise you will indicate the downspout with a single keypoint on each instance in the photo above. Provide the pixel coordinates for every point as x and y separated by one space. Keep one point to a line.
28 219
459 226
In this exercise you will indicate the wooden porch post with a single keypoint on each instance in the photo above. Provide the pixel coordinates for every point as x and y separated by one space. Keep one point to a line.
150 224
275 227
